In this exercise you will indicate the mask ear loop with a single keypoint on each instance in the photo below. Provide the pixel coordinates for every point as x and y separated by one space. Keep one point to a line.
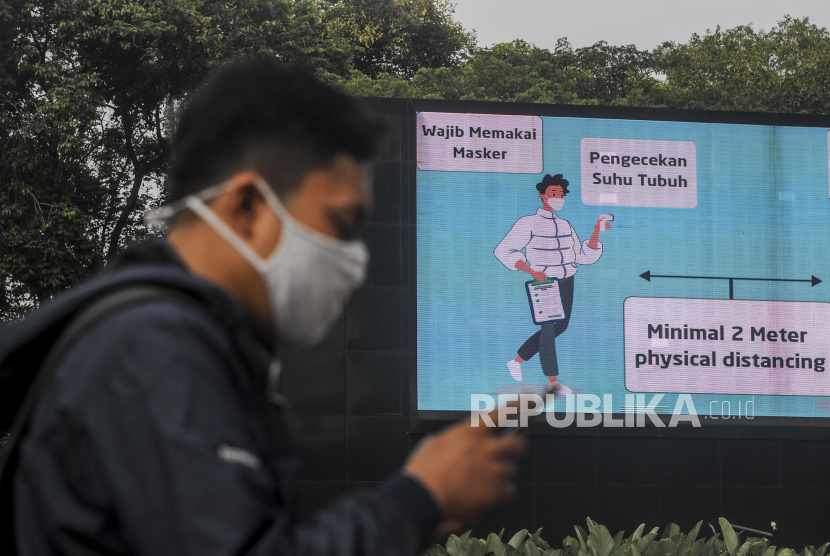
199 207
287 220
162 215
285 217
273 201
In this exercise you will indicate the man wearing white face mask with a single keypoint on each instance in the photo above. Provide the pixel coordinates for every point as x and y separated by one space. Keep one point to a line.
155 433
546 246
308 276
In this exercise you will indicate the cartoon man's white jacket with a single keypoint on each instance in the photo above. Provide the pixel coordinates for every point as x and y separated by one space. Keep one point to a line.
550 243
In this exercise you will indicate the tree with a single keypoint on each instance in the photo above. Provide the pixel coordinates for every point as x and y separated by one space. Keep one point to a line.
609 74
48 134
786 69
398 36
88 92
521 72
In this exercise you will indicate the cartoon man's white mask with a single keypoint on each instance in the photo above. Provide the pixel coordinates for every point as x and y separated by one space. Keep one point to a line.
556 203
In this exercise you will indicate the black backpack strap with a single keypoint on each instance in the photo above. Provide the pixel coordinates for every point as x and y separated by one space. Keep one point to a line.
99 309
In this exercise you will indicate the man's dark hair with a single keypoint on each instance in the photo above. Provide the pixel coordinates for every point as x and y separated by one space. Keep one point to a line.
264 116
549 180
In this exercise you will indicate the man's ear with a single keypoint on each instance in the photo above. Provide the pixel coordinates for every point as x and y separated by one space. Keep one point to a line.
241 205
247 199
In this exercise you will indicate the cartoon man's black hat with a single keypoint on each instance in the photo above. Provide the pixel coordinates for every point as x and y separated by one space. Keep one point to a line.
549 180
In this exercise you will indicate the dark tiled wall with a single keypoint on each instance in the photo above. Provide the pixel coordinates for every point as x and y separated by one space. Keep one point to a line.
352 412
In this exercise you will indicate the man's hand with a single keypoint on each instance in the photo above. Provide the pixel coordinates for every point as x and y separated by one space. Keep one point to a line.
538 276
601 225
466 470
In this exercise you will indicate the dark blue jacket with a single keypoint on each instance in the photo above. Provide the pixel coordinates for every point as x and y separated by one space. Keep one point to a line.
156 437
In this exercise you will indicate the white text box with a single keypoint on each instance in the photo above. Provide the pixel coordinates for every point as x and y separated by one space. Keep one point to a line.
720 346
639 173
479 143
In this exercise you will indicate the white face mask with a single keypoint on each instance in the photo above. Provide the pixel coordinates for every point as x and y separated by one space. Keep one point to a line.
556 203
309 276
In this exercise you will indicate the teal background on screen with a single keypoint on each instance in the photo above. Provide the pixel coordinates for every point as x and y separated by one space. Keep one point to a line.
762 211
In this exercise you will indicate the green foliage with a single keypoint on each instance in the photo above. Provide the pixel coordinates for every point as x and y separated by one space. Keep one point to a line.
397 36
598 541
786 69
88 90
521 72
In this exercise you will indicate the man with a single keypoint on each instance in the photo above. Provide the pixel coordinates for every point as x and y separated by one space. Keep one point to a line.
551 250
156 435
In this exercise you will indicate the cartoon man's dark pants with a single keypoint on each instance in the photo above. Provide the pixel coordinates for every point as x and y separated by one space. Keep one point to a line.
544 341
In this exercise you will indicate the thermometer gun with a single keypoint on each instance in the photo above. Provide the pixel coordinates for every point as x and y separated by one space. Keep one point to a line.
604 219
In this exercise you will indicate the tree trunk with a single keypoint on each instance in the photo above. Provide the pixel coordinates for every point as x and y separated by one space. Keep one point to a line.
125 215
139 171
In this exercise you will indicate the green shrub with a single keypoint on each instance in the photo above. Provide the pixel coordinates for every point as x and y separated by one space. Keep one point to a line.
597 541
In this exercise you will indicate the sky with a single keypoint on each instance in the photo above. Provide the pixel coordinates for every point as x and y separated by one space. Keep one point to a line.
644 23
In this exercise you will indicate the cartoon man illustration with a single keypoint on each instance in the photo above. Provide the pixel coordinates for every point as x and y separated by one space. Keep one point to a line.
551 250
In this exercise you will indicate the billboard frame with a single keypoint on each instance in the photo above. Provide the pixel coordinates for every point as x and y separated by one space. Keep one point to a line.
424 421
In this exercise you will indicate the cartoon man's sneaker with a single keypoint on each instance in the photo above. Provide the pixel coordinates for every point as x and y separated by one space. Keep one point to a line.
515 369
559 389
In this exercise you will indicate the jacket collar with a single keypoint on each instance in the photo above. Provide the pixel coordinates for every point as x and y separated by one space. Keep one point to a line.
549 214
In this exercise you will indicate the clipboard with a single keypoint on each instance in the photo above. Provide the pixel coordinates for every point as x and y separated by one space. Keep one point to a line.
545 301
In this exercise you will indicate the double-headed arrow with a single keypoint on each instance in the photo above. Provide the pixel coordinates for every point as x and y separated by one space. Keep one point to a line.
647 275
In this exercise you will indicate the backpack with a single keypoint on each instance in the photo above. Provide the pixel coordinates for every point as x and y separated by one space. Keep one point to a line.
23 382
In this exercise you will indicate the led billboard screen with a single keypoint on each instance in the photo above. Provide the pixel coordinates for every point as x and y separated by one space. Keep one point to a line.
623 256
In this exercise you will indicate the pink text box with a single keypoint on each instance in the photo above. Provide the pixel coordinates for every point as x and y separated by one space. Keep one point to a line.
723 346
